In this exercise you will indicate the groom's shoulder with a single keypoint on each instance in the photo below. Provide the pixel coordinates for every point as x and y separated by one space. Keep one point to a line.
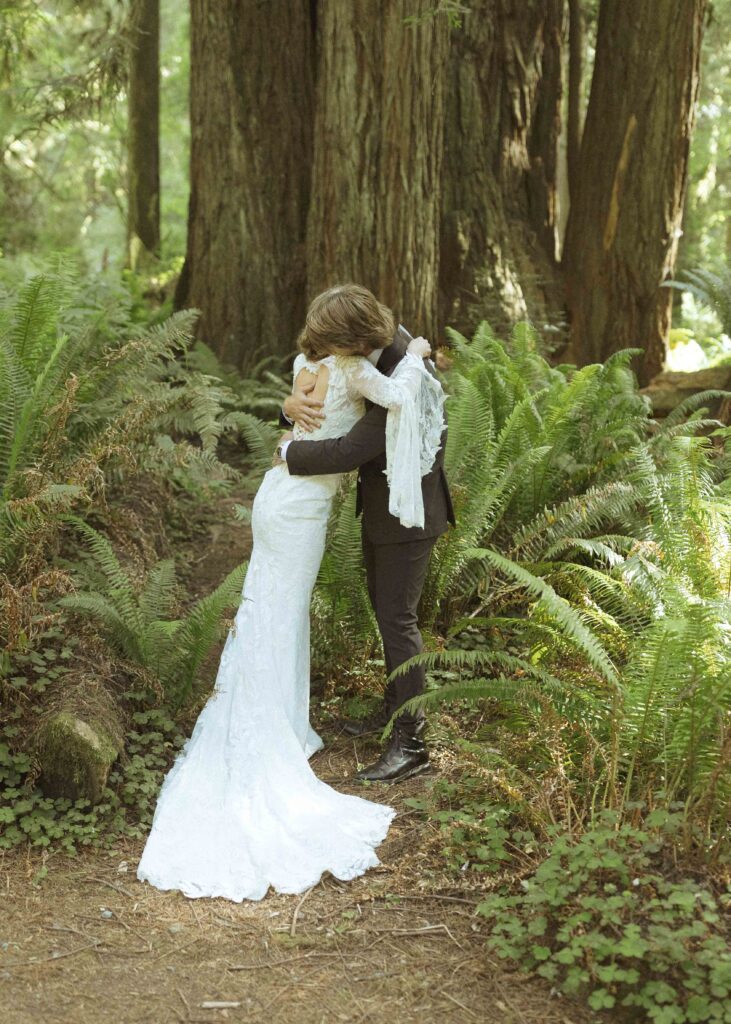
393 353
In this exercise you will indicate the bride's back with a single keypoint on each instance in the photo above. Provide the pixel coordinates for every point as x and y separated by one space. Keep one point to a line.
341 407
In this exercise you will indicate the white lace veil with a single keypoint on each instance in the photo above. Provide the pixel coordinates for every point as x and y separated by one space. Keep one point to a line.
413 438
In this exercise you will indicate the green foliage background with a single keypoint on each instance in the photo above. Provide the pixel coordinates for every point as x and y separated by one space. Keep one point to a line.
63 119
577 619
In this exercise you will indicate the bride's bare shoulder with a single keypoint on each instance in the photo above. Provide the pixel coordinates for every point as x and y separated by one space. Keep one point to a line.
311 372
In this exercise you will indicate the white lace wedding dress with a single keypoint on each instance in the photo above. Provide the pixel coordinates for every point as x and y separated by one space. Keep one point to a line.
241 809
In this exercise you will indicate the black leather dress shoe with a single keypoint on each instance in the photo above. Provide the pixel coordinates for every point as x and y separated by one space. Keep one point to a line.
365 726
405 756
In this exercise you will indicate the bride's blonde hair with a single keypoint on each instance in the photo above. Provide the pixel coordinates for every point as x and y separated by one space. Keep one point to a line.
346 319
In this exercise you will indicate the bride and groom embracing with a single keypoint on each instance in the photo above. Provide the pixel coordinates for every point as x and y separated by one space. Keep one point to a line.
241 809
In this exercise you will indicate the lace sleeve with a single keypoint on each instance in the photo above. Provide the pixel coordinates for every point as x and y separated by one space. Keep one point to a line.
415 402
301 362
391 392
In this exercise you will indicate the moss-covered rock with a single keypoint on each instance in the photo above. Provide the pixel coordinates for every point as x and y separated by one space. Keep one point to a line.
75 756
671 387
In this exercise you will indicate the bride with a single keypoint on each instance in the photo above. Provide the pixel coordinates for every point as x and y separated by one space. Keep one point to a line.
241 809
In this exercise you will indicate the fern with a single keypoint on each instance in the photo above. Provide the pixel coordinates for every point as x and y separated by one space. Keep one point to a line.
120 591
712 289
198 632
556 607
86 395
140 624
342 607
597 542
472 662
260 393
260 439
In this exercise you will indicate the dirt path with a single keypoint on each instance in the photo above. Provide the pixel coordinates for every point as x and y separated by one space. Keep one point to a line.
90 944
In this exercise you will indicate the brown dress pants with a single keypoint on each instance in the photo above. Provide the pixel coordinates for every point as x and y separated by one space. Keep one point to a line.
396 574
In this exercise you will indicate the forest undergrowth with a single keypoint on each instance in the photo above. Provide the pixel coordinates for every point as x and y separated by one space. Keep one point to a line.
576 826
84 942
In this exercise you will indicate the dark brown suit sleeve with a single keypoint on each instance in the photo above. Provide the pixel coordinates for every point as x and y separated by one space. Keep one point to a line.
365 441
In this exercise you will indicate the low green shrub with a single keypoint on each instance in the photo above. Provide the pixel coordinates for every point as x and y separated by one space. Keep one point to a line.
27 817
609 916
35 667
476 832
142 626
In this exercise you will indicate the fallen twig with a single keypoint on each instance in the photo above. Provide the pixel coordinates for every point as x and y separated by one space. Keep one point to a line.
278 963
176 949
293 926
186 1004
117 888
54 956
420 931
457 1003
430 896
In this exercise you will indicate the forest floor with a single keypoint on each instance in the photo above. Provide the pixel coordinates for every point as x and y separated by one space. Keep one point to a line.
90 944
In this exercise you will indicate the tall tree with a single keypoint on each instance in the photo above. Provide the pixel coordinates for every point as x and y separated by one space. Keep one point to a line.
374 212
499 210
143 132
251 97
576 74
622 231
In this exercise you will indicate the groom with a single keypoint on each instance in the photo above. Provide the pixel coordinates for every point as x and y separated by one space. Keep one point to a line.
396 557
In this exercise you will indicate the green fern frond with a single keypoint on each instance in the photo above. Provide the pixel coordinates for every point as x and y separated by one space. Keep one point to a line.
500 688
260 439
120 593
158 594
677 416
198 631
585 512
711 288
558 608
117 628
475 662
596 547
341 582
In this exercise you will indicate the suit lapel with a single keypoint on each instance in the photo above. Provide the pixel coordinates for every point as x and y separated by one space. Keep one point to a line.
392 354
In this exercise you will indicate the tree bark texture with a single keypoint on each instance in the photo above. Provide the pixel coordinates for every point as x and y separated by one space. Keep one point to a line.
251 146
576 73
143 150
374 209
499 209
622 232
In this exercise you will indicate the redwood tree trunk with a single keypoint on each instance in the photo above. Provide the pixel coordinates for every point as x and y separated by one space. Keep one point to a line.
143 132
576 74
622 232
499 214
251 145
374 212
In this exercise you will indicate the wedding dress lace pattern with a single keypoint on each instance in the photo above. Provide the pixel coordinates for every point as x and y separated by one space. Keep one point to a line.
241 809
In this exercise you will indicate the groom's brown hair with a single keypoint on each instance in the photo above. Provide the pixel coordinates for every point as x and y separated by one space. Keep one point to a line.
346 319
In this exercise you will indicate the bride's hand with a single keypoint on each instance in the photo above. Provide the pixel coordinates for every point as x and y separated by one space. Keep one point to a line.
419 347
